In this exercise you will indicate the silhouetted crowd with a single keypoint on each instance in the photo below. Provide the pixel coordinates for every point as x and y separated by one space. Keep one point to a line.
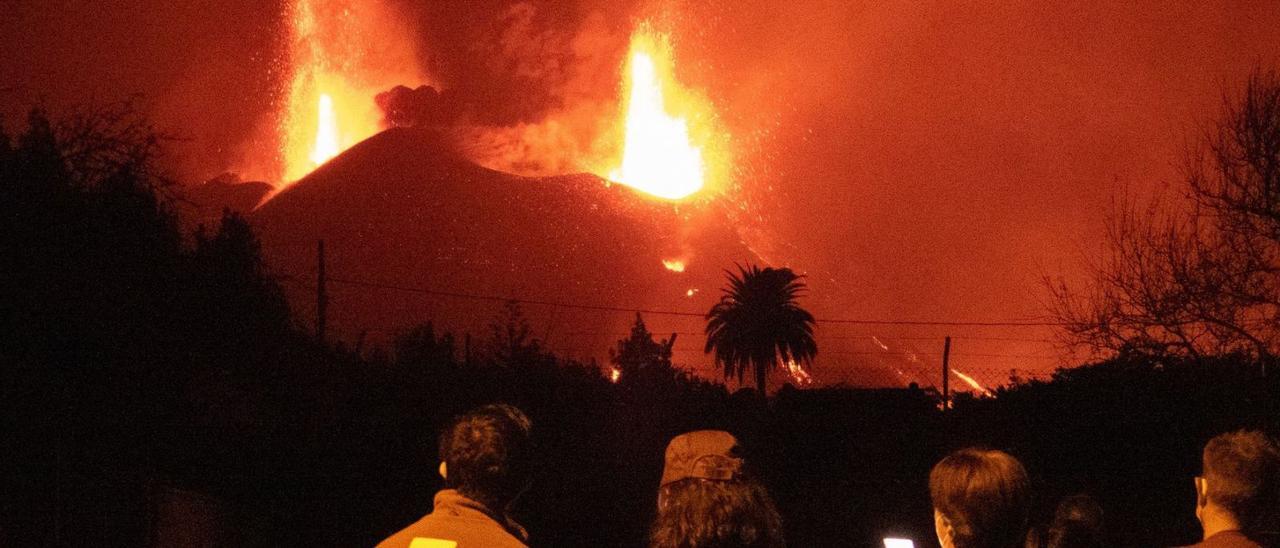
708 497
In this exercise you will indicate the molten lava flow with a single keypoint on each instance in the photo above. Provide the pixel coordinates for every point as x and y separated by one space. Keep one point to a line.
326 132
972 383
615 375
658 155
673 265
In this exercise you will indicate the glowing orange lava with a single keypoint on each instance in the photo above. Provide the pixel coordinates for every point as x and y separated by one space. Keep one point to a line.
326 146
972 382
659 156
674 265
798 375
341 54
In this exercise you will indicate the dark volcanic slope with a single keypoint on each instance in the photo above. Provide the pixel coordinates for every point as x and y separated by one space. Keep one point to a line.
401 209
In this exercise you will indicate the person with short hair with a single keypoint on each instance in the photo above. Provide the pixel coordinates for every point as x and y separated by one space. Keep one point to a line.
1238 491
707 500
485 461
981 499
1077 523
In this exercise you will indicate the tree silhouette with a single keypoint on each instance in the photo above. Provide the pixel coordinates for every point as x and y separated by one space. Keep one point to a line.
512 341
1202 277
639 356
422 347
758 321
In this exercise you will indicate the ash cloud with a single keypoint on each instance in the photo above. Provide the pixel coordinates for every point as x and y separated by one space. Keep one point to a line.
529 90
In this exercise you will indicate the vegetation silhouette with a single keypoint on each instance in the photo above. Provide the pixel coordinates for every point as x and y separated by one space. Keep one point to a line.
640 358
1200 277
758 322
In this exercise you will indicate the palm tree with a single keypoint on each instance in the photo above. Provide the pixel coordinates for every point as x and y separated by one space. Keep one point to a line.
758 321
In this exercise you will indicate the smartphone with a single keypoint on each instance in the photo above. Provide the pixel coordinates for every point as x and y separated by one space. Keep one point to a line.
890 542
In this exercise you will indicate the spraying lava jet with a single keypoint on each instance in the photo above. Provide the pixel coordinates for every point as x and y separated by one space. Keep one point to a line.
340 54
658 157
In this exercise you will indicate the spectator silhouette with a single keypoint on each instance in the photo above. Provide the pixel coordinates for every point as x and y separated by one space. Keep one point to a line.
980 499
484 459
706 500
1236 493
1077 523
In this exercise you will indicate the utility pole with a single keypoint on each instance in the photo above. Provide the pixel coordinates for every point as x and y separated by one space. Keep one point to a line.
946 373
322 297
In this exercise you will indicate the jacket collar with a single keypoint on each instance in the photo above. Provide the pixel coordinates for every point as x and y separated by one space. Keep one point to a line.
451 500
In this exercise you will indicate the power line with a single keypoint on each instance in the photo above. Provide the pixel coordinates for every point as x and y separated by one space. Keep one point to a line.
606 308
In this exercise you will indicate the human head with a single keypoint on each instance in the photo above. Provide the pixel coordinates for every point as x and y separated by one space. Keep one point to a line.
980 499
706 500
485 454
1077 523
1240 479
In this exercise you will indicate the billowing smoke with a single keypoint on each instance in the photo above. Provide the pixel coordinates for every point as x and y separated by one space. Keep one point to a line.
423 106
528 87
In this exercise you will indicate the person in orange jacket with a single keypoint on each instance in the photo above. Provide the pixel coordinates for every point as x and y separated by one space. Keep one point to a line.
485 462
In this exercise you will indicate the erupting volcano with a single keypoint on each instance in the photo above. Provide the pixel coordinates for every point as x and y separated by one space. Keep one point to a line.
658 157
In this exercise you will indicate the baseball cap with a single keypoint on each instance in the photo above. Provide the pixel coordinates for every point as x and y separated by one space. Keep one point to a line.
706 454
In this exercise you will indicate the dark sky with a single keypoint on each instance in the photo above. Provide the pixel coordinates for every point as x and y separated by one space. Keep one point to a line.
934 159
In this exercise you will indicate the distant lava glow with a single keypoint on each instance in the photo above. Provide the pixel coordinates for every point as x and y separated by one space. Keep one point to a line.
659 155
972 383
797 374
673 265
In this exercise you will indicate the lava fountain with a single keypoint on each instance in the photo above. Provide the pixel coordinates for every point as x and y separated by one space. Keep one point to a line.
326 146
340 54
660 152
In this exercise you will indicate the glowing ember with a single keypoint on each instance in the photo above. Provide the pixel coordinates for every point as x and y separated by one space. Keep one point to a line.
690 292
326 132
658 155
673 265
615 375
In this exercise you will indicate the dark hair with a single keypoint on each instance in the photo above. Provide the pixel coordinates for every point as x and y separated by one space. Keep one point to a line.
985 495
705 513
1243 473
1077 523
487 452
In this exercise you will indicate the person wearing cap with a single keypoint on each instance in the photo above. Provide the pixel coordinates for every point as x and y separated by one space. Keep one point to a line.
706 498
485 462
